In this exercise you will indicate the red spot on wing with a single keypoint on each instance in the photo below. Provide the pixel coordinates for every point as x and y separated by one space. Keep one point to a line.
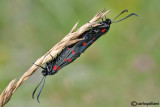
58 68
65 59
69 60
84 44
54 68
73 51
93 37
103 30
92 42
67 48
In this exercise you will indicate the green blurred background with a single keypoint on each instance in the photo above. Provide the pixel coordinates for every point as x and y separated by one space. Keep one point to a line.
122 66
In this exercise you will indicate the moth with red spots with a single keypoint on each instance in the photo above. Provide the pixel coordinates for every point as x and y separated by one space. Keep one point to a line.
70 53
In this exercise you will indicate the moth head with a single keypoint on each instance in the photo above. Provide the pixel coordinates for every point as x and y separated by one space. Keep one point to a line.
44 72
108 21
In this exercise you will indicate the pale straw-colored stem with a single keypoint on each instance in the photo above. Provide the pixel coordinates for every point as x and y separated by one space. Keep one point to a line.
69 39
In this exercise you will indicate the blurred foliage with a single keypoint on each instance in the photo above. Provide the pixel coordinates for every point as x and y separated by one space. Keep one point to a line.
120 67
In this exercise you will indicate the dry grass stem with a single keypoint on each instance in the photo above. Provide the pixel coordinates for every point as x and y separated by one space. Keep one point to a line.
69 39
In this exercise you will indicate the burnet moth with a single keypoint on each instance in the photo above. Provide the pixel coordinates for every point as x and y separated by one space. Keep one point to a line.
70 53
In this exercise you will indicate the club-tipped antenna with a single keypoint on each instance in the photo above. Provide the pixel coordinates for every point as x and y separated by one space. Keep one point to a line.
41 89
36 88
125 17
120 14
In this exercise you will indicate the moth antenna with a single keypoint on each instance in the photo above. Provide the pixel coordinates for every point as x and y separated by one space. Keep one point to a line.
36 88
41 89
126 17
120 14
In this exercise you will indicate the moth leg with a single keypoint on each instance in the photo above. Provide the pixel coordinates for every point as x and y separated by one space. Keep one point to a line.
39 66
102 20
51 55
105 17
90 25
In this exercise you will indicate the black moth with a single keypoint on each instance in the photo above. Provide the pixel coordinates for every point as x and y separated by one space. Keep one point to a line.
69 54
